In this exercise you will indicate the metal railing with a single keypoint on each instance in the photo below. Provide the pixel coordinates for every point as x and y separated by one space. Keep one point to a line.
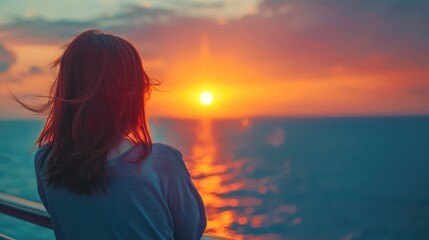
35 213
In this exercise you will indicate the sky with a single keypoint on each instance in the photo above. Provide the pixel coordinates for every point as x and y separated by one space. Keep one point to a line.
257 57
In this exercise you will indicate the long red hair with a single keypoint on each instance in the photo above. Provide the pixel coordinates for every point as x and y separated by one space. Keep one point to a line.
98 99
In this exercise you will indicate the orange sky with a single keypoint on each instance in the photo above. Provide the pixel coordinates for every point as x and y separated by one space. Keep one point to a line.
267 59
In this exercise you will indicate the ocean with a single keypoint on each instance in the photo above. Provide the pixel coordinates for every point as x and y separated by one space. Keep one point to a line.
277 178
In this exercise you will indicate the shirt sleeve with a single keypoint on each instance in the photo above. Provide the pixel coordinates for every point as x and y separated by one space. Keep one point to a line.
185 203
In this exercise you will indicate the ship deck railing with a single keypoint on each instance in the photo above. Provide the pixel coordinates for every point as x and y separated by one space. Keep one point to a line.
35 213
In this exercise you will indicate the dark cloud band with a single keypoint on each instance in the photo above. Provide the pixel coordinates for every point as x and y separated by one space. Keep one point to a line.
7 58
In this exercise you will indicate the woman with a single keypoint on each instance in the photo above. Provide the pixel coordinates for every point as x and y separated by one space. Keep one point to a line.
98 173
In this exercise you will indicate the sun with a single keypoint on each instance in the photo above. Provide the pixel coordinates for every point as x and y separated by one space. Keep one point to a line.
206 98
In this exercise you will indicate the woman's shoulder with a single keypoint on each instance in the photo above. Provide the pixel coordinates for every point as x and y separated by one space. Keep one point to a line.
167 158
165 150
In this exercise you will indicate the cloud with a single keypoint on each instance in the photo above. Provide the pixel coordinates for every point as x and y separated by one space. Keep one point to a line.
35 70
316 38
36 30
42 31
19 77
422 91
200 5
282 40
288 40
7 58
135 15
10 78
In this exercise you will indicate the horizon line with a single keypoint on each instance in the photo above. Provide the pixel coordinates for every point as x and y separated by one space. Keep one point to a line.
319 116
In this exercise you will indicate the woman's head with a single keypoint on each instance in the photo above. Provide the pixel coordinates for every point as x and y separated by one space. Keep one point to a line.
101 89
98 98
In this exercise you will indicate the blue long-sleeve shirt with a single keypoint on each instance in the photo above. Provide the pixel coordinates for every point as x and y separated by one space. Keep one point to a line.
157 202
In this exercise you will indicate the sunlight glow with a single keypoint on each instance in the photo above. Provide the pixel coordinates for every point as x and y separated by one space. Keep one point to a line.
206 98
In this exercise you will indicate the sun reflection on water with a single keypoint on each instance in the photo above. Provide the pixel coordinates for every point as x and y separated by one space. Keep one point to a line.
208 174
237 184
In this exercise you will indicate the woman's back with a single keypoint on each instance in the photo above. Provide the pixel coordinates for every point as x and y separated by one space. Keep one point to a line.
153 200
98 101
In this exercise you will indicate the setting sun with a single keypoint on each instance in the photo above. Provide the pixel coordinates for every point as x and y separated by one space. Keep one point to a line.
206 98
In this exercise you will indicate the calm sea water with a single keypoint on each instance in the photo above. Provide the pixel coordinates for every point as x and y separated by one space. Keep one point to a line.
326 178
